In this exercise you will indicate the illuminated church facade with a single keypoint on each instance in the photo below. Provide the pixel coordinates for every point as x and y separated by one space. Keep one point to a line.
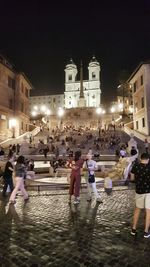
82 93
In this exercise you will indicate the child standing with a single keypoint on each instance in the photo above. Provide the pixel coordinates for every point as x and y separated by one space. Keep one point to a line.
91 165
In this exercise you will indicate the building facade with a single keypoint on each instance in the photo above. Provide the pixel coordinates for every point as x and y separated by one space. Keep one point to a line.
91 87
14 101
43 103
140 82
124 98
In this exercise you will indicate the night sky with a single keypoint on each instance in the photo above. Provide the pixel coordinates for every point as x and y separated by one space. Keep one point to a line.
39 37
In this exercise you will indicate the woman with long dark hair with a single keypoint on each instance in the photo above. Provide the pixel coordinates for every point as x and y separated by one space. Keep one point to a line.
75 177
20 172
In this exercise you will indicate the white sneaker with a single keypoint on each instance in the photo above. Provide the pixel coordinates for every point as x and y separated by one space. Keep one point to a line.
76 201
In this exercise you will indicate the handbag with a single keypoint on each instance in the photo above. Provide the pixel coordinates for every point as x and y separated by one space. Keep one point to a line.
91 177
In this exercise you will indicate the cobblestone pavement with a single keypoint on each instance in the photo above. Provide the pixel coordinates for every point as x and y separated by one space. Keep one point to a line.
46 231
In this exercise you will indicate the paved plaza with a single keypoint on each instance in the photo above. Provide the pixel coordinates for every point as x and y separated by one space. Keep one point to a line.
46 231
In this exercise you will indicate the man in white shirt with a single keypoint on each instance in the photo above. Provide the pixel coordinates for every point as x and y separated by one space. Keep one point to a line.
91 165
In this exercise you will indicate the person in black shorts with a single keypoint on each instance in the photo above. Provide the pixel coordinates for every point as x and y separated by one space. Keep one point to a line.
140 173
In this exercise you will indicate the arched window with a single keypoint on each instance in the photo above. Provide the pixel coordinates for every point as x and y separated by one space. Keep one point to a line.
70 77
93 75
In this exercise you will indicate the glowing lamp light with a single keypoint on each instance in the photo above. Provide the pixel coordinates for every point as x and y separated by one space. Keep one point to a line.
60 112
98 110
35 108
131 109
34 113
12 123
43 108
120 106
112 109
48 112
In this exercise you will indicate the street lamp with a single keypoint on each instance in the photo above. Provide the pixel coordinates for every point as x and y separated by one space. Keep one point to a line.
112 111
48 113
60 114
12 125
100 111
120 107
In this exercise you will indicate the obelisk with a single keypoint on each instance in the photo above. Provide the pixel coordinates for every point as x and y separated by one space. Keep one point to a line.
82 101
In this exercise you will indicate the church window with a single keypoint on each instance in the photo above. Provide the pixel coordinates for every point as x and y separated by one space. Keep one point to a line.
26 92
70 77
141 79
142 102
93 96
22 87
69 102
10 103
135 86
11 82
93 75
22 107
143 122
54 100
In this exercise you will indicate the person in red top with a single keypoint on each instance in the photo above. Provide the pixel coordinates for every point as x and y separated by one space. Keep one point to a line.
75 177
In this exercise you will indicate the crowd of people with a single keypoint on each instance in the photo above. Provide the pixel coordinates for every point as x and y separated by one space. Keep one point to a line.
78 149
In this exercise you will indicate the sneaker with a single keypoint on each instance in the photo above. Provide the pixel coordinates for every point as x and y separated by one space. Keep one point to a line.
76 201
146 235
133 232
99 200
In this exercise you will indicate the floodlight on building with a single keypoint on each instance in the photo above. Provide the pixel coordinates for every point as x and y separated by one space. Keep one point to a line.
112 109
43 108
35 108
120 106
60 112
99 110
131 109
12 123
48 112
33 113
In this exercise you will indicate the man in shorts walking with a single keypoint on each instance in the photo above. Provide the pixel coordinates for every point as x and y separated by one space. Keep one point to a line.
140 173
